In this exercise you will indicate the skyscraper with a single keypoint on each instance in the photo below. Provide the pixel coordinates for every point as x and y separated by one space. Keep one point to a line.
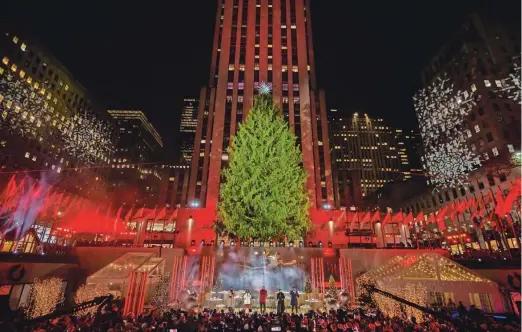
135 180
187 129
261 41
366 156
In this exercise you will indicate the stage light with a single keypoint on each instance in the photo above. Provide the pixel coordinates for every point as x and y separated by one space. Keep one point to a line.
193 243
320 244
261 244
202 242
222 243
251 243
329 244
232 243
271 244
281 244
291 243
194 203
301 244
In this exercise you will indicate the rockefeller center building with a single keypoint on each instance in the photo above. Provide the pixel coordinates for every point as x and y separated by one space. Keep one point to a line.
261 41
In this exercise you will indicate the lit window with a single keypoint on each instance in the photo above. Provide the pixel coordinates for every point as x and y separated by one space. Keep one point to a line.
59 169
230 67
511 148
242 67
15 40
23 47
34 158
495 151
22 73
27 154
1 70
487 83
468 133
498 83
14 67
285 68
473 87
66 87
29 80
486 156
5 60
295 69
477 128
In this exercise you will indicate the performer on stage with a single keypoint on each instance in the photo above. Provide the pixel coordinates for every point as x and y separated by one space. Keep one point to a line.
294 295
262 299
280 302
246 299
230 300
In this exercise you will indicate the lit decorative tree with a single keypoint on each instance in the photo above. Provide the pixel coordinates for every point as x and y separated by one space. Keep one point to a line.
45 296
332 289
263 195
88 292
161 292
512 84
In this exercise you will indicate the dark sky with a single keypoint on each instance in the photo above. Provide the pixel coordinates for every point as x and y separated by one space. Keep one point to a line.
151 54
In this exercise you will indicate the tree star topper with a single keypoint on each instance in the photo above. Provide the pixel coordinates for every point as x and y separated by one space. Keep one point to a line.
264 88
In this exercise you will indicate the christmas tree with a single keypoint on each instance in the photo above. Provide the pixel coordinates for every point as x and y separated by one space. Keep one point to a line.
332 289
161 293
263 195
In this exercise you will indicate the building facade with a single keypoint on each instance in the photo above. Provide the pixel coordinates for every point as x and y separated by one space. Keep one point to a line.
49 122
367 155
409 148
177 185
136 177
261 41
187 129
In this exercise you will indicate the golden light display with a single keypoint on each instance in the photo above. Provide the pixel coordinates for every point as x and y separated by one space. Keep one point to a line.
87 292
45 296
161 293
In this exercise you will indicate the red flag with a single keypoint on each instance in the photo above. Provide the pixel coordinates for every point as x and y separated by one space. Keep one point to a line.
431 217
129 215
387 218
352 222
174 215
152 214
398 217
512 197
139 214
500 208
420 216
366 218
376 216
409 218
442 212
162 214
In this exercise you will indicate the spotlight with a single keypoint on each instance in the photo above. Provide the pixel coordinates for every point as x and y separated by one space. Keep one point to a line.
291 243
281 244
202 242
222 243
320 244
232 243
271 244
193 243
329 244
261 244
251 243
300 244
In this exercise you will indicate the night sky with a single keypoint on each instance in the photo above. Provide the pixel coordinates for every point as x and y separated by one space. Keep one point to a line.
149 55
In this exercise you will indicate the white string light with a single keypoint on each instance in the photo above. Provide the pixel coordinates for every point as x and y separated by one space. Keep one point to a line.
511 85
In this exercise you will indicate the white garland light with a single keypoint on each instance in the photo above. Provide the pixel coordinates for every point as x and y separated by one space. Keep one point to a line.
511 85
26 109
441 109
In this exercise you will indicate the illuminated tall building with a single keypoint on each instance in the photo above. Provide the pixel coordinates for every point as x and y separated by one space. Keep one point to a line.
49 121
135 177
261 41
409 149
187 129
366 156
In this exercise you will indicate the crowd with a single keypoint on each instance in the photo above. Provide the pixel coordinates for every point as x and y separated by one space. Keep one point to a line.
110 319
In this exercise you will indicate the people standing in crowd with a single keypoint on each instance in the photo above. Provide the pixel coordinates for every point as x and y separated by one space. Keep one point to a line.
294 295
247 297
280 301
263 294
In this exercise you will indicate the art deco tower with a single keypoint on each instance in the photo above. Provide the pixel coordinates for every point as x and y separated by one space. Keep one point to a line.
261 41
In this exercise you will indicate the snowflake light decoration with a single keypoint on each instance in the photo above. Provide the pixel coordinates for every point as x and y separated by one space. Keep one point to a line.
511 85
441 110
26 110
264 88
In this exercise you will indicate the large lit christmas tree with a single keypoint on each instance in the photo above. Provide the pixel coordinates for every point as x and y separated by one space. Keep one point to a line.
263 195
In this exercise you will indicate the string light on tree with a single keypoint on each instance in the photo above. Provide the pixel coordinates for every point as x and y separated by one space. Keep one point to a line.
511 85
161 292
87 292
45 296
